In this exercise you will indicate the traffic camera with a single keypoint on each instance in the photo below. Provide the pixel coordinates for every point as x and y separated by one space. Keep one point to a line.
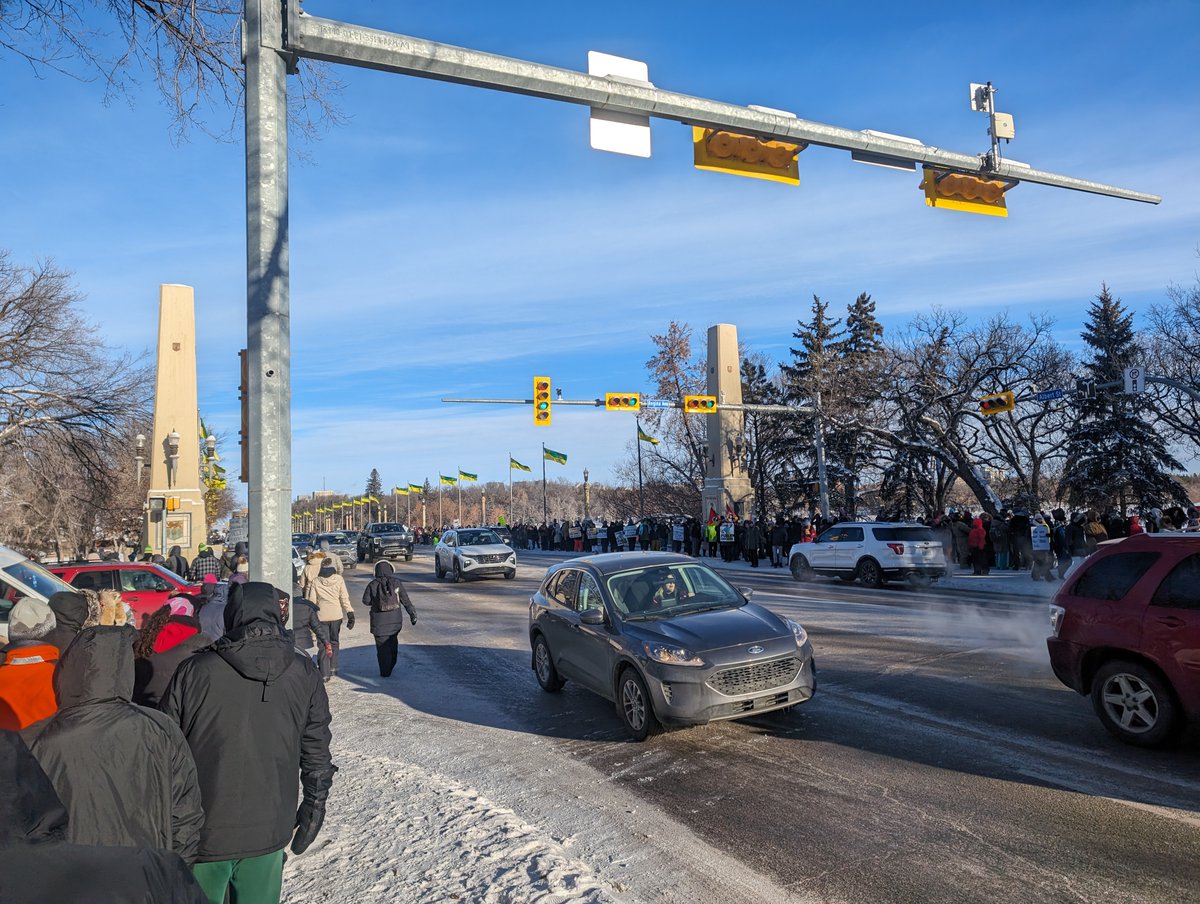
541 401
622 401
699 404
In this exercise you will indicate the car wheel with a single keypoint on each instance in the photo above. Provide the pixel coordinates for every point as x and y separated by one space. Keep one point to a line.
869 573
408 557
509 575
801 570
633 701
458 575
543 667
1134 703
437 568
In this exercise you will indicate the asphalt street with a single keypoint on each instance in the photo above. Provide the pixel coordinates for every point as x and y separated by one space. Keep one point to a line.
940 759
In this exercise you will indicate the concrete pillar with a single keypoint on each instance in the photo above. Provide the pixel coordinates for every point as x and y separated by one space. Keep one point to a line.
176 411
726 484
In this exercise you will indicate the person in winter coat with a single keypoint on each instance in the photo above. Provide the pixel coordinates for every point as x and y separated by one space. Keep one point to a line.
1093 531
999 538
307 626
72 613
212 613
123 771
1040 547
778 543
204 563
328 591
960 530
38 865
176 562
166 638
751 541
976 543
241 571
255 713
385 595
27 665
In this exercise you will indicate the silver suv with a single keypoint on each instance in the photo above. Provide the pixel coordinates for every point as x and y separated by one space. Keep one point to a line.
871 552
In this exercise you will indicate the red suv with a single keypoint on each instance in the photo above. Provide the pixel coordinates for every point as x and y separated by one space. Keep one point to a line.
144 585
1127 633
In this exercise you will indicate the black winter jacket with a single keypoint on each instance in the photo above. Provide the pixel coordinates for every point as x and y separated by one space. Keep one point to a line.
38 865
307 624
71 610
387 617
153 674
124 772
255 714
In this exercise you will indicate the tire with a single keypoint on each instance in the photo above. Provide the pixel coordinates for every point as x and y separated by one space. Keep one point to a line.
509 575
408 556
1135 704
543 667
801 570
437 568
458 575
633 702
869 573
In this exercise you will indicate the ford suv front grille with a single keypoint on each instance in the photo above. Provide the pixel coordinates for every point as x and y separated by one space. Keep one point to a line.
752 679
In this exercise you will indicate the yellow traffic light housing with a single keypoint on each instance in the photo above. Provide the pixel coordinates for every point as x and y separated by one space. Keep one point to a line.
745 155
699 404
541 401
996 403
958 191
622 401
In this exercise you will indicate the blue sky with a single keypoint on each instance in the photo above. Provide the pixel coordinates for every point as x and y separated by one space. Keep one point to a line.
450 241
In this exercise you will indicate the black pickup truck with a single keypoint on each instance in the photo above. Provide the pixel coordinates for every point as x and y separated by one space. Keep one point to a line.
385 540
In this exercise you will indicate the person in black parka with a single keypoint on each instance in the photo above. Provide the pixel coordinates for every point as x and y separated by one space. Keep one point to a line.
385 595
307 626
255 714
38 865
72 613
124 772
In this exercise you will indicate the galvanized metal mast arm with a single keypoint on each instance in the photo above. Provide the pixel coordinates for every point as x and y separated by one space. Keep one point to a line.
339 42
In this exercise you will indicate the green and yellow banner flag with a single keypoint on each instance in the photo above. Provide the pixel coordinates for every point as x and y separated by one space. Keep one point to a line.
467 475
372 499
513 464
448 481
551 455
416 488
646 437
400 491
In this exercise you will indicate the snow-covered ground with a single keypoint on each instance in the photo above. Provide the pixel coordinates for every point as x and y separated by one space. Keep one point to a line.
438 801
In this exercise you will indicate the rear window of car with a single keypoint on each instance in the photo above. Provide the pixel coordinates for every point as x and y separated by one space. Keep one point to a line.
1112 577
911 534
1181 588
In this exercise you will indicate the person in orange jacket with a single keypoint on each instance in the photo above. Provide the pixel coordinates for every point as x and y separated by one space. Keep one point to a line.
27 669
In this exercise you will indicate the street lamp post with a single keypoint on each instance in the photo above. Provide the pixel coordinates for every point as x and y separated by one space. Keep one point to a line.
586 494
483 508
139 456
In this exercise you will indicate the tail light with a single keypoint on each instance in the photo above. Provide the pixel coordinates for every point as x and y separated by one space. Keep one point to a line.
897 548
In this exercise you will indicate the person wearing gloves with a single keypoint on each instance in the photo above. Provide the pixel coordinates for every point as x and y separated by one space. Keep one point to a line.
385 595
255 713
124 772
328 592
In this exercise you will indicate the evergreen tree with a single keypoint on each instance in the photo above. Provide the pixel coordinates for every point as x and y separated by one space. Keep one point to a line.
860 362
1114 456
375 488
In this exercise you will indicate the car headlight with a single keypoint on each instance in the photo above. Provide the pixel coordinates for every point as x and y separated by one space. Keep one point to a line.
798 632
1057 614
671 655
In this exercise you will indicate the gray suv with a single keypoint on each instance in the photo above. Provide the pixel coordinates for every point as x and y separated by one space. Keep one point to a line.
667 639
386 540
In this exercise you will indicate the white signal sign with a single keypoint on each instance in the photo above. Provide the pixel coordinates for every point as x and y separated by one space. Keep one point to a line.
1135 379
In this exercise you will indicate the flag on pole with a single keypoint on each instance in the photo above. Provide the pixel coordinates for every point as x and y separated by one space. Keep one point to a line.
730 512
416 488
646 437
448 481
467 475
712 514
400 491
513 464
557 457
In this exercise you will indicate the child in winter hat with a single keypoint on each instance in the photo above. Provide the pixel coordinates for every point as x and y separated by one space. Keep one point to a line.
30 619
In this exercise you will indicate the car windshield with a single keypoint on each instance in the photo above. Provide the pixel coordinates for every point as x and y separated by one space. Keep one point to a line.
912 534
476 537
37 579
666 591
333 539
388 529
301 539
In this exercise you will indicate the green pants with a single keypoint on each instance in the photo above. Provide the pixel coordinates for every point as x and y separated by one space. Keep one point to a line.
256 880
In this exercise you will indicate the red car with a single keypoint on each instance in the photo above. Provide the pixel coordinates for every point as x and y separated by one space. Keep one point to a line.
145 586
1127 633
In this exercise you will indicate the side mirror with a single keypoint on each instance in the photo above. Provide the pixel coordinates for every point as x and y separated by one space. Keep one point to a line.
592 617
747 592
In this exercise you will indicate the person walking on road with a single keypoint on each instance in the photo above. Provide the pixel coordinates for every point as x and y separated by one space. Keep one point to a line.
255 714
385 595
328 591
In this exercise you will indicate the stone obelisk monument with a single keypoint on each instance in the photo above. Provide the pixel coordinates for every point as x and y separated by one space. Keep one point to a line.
175 501
727 487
